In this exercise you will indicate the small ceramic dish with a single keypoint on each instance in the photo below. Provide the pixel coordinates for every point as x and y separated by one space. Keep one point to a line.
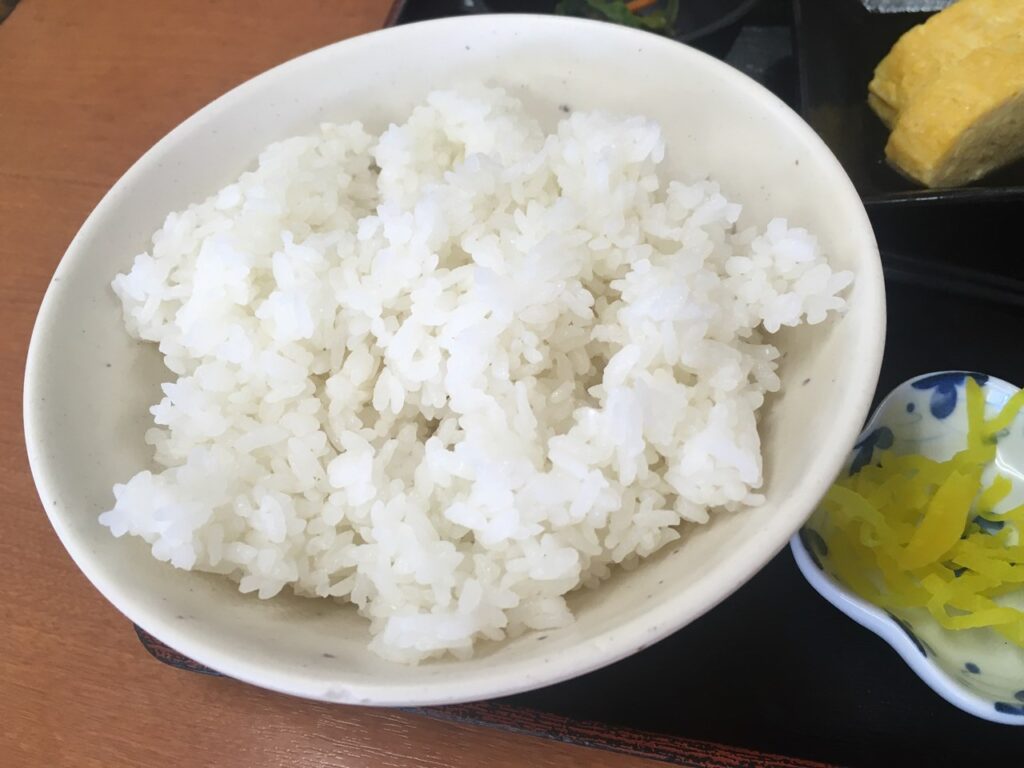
975 670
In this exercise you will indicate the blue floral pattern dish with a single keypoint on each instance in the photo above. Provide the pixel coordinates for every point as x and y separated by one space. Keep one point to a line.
975 670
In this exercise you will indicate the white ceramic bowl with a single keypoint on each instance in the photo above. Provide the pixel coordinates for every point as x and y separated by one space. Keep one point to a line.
88 385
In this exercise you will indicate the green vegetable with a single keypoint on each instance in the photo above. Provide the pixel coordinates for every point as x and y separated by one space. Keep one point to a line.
619 11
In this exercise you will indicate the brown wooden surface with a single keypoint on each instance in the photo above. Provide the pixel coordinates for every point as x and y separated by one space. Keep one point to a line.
85 88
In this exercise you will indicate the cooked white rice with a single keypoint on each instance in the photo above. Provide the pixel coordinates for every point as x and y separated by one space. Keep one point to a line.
455 371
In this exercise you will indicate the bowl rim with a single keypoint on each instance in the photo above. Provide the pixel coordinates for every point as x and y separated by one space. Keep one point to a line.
881 623
518 675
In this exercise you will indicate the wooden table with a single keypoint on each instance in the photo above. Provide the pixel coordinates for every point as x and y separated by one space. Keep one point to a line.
85 88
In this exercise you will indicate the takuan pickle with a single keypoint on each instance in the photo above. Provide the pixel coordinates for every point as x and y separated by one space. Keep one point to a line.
911 532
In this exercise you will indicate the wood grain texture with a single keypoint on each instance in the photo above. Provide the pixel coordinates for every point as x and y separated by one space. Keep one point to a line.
674 750
85 88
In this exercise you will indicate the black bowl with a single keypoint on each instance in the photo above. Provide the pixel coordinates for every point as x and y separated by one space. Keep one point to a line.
707 22
711 25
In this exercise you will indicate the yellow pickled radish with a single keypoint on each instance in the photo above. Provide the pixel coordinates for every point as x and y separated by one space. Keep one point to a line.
975 412
999 490
907 531
944 520
1006 415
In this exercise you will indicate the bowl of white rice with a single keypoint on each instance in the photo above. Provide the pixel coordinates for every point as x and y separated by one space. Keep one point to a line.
454 360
